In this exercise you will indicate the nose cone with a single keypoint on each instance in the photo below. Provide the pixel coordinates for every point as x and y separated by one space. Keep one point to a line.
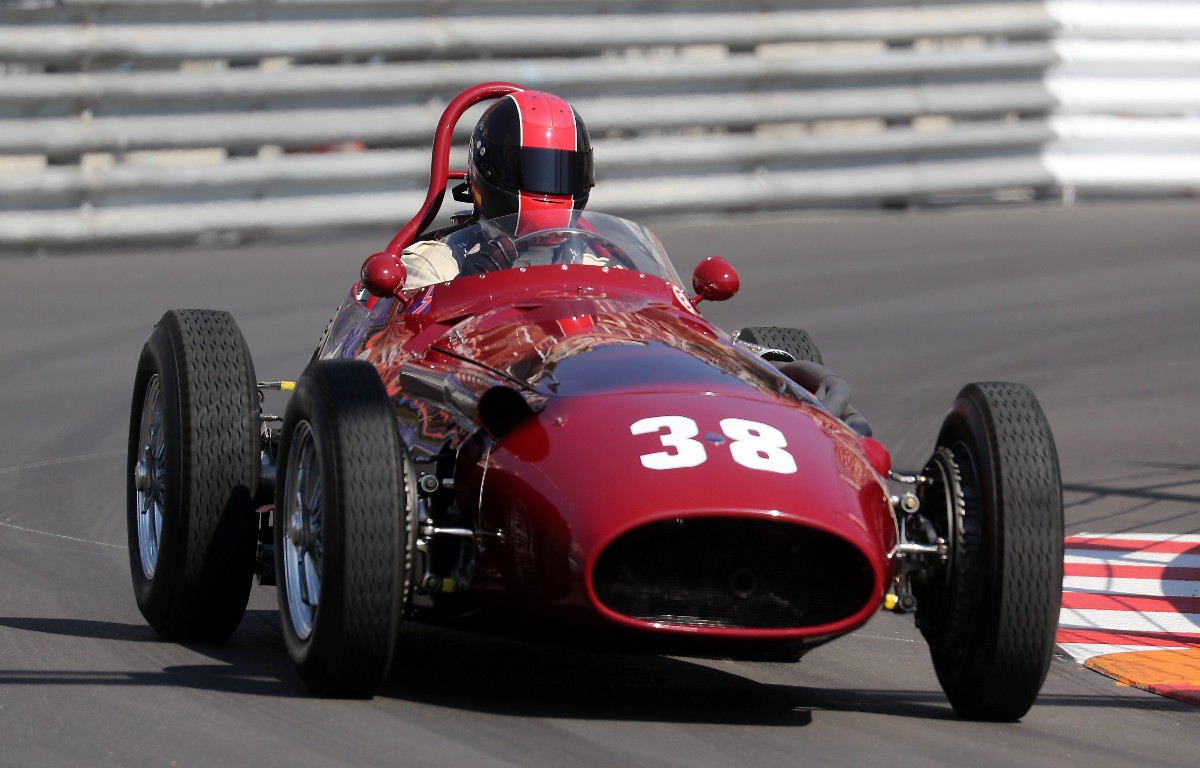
732 516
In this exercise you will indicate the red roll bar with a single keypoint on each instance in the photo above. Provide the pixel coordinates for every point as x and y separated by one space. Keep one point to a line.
440 168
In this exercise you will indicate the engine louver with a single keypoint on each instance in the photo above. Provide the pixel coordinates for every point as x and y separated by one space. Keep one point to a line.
732 572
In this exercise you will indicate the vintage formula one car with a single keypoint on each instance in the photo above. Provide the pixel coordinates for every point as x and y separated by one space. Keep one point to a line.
572 448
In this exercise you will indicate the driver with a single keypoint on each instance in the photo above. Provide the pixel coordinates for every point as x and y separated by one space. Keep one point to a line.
530 155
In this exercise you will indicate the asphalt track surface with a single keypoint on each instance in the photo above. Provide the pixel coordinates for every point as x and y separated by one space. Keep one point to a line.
1095 307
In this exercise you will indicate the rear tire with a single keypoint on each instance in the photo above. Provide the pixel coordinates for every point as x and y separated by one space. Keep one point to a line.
990 614
193 469
342 526
796 342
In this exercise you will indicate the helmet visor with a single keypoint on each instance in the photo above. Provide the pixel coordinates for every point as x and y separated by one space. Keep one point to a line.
534 169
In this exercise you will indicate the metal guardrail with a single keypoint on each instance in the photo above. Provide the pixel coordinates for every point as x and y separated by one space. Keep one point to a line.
505 32
388 125
1128 90
169 120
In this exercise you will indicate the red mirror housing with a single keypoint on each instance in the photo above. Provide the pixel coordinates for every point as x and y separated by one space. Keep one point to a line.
715 279
383 274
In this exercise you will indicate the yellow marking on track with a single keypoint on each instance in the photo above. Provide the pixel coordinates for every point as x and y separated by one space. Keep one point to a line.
1170 672
1177 667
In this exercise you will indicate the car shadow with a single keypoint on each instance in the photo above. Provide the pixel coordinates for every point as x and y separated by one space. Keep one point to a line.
1157 491
468 671
505 676
252 662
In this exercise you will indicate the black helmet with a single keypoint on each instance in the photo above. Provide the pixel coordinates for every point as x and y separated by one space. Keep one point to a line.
530 155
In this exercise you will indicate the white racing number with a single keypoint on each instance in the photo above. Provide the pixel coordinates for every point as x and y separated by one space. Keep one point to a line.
685 452
752 444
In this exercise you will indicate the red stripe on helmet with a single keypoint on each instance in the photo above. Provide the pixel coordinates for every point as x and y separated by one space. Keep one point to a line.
537 212
547 121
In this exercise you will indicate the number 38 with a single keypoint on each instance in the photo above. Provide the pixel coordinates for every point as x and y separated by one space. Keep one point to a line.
752 444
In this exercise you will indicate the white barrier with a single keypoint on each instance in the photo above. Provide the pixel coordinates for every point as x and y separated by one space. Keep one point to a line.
1128 91
160 120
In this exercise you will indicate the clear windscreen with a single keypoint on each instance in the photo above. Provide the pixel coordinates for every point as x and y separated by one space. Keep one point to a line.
592 239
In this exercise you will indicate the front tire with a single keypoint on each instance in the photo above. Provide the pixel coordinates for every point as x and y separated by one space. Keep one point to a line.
995 495
795 341
341 529
192 471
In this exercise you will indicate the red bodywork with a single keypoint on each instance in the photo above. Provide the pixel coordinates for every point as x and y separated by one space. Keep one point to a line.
625 466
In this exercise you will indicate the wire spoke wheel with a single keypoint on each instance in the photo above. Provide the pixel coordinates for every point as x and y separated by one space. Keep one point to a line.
342 529
192 473
150 477
302 548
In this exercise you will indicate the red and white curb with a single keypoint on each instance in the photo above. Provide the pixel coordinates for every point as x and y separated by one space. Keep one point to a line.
1131 609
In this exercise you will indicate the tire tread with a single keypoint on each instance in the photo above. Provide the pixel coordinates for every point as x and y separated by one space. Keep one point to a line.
365 524
992 639
795 341
210 404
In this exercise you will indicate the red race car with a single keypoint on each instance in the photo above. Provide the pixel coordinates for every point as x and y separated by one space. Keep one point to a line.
565 446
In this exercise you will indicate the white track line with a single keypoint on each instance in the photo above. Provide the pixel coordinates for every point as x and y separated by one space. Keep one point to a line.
1129 621
1081 652
1134 557
1139 587
6 524
63 460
